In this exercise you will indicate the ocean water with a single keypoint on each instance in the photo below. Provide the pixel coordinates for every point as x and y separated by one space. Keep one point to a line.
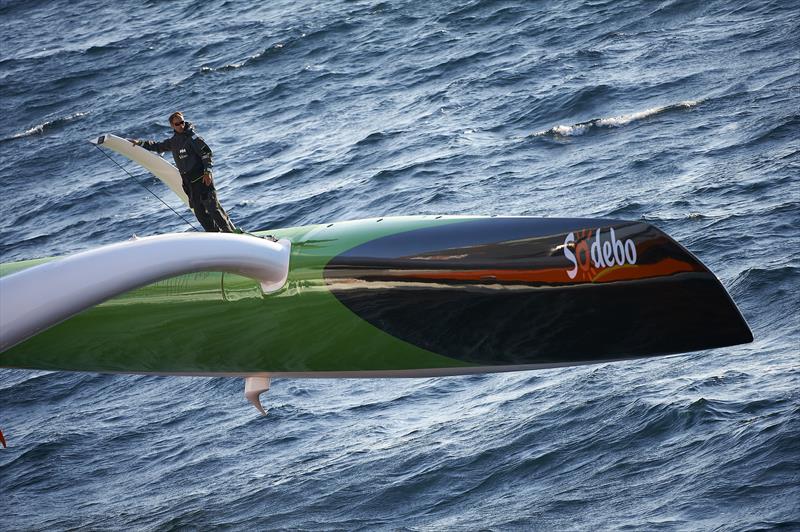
684 114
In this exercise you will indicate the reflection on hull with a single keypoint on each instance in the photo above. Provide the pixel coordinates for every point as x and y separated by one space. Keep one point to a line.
555 325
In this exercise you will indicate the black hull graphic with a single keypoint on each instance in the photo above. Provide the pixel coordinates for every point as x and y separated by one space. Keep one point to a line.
504 291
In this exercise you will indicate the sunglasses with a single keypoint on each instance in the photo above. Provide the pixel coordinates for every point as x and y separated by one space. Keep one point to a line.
176 124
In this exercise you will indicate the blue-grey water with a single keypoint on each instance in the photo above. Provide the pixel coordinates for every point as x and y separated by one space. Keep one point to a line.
684 114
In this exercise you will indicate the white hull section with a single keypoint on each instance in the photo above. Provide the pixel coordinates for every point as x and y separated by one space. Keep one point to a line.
376 374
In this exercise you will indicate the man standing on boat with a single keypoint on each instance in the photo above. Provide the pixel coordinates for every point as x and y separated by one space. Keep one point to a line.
193 159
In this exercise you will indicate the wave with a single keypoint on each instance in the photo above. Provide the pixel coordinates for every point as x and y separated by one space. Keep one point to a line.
46 126
265 54
255 58
581 128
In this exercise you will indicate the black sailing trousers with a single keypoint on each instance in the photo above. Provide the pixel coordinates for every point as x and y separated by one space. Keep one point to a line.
206 207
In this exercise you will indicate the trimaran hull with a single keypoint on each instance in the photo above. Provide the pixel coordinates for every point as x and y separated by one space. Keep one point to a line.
411 296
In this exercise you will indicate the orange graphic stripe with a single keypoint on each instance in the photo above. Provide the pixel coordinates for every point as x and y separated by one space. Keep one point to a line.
627 272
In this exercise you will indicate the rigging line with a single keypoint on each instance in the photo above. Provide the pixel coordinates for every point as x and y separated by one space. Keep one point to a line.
147 189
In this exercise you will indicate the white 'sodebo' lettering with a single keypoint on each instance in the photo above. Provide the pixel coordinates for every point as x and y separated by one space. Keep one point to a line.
612 252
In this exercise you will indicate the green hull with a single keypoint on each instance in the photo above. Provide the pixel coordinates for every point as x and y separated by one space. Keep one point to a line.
411 296
219 323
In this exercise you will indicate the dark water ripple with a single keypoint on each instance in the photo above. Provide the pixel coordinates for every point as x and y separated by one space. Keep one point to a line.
680 113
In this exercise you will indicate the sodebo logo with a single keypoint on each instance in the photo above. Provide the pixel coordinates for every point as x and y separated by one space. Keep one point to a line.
600 254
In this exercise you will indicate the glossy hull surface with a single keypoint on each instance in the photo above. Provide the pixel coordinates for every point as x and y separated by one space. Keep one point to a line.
412 296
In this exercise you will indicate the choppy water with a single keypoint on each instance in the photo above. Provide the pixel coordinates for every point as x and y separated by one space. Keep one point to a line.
684 114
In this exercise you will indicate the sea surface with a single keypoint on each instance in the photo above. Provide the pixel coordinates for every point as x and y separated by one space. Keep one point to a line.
683 114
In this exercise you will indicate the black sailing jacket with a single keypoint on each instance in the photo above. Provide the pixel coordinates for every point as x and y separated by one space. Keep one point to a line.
191 153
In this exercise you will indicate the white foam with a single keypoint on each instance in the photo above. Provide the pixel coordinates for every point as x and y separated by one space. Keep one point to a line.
614 121
38 130
623 120
567 131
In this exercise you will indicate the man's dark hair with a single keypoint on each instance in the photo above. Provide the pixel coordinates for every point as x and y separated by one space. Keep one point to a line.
175 115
